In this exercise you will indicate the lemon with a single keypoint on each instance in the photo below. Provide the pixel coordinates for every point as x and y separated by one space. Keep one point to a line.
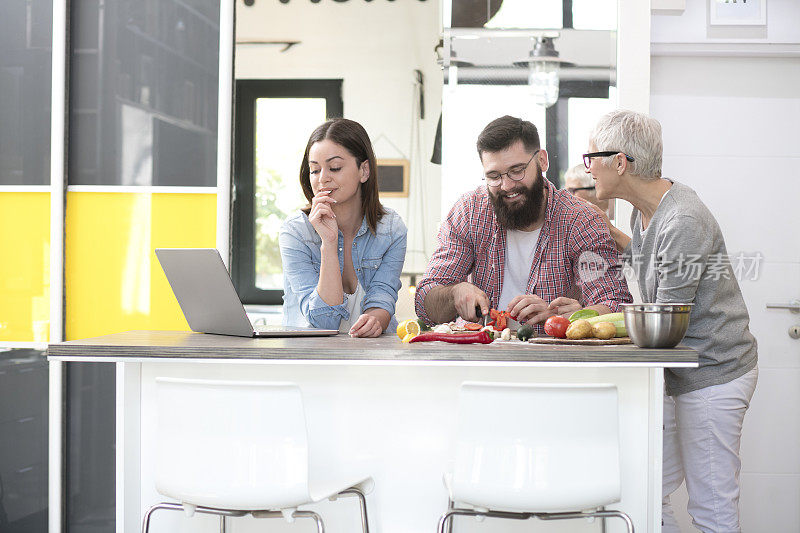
408 327
408 337
401 329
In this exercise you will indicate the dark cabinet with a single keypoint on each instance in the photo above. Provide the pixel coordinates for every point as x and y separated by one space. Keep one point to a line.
144 85
23 441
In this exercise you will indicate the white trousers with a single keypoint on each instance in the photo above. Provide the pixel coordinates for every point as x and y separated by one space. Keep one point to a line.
702 433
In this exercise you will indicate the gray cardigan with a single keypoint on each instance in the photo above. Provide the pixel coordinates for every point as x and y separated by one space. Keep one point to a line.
680 258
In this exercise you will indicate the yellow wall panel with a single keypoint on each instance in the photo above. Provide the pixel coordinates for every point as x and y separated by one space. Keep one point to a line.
114 281
24 268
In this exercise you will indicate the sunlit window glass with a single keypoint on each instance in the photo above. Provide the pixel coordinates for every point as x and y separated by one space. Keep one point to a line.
594 14
583 116
527 14
283 126
463 121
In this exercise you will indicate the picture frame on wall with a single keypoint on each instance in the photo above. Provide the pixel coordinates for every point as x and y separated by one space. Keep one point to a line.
393 177
738 12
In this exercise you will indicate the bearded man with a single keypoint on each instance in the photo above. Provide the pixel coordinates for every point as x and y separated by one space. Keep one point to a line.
518 244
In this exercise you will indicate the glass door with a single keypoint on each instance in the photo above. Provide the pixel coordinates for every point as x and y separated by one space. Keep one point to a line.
274 119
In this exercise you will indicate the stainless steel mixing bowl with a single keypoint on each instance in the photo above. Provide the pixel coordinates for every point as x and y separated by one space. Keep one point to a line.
656 325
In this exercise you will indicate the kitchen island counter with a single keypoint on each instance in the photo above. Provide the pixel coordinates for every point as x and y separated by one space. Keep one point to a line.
376 406
153 345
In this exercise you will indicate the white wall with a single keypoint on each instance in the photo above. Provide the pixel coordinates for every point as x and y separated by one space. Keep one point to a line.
730 117
692 26
375 48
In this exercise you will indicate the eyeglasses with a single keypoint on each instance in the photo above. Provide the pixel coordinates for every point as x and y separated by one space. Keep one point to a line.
515 173
587 158
573 190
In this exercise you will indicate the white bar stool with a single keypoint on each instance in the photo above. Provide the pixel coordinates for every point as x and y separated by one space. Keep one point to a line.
535 451
234 448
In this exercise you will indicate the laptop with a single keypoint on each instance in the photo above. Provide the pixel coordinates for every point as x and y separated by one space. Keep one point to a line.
208 299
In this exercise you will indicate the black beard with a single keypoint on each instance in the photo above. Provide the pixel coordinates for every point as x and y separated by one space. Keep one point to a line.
521 217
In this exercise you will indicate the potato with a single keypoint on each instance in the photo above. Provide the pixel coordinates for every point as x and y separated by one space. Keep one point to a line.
580 329
604 330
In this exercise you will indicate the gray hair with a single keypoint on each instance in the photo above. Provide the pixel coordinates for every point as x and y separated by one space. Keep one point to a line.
634 134
578 172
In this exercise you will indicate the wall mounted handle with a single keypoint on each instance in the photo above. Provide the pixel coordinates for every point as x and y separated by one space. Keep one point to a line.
793 306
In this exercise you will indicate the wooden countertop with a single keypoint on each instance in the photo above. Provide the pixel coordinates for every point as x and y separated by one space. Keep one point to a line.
157 345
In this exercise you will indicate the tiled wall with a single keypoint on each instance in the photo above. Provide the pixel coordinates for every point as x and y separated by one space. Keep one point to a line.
730 133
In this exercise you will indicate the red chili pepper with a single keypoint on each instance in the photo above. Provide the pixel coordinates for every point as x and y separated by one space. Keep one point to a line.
472 326
479 337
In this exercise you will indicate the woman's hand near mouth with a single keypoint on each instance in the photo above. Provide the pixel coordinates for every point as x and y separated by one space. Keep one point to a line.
322 217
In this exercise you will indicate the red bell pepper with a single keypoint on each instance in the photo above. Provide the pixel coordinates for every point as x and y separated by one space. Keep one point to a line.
499 319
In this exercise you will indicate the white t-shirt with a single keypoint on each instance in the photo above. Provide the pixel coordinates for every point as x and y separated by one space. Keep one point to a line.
520 249
354 306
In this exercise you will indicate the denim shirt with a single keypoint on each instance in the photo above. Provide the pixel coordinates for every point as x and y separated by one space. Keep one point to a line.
377 259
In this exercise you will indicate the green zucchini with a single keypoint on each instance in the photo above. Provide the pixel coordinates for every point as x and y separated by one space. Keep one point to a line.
525 332
618 319
609 317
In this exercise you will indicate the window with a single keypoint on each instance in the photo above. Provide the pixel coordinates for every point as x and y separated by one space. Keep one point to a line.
274 119
582 116
563 127
570 121
463 121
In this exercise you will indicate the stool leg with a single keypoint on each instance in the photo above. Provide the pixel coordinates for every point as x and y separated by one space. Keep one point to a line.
222 524
598 514
626 518
445 521
450 505
149 513
297 514
317 519
362 501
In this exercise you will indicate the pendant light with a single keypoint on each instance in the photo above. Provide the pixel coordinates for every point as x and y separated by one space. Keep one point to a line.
543 76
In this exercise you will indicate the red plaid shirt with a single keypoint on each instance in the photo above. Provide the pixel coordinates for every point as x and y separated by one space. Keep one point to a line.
573 240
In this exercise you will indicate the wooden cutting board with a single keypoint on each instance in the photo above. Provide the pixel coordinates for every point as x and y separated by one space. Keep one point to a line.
586 342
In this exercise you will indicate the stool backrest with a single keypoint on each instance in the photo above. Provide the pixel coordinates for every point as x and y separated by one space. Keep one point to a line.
231 445
545 448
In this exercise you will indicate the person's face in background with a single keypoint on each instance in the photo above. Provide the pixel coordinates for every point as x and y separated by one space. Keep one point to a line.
574 186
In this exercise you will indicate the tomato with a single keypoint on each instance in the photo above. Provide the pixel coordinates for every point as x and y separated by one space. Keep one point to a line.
556 326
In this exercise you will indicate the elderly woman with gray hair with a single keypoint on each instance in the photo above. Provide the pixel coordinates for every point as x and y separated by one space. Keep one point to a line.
679 255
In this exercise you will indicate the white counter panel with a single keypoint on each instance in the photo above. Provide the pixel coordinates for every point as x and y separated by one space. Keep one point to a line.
395 423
